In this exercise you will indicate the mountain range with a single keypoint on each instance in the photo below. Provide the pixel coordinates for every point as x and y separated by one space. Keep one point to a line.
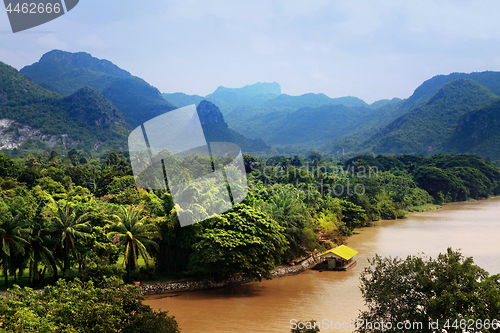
428 121
88 81
82 119
65 72
70 98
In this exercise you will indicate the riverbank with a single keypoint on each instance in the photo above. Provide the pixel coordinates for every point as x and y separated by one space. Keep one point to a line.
270 305
166 287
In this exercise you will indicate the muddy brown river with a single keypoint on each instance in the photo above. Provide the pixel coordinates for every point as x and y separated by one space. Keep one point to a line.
270 306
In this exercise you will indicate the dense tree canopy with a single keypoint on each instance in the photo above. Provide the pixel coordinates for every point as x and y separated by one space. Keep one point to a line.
242 241
81 307
449 290
69 210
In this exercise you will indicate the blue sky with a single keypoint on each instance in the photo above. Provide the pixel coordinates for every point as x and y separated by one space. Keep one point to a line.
368 49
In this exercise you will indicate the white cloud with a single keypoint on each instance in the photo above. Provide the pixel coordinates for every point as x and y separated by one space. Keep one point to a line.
52 42
92 41
454 20
318 72
369 49
267 45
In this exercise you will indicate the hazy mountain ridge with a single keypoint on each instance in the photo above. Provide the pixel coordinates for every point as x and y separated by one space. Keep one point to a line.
423 123
56 62
318 124
181 99
312 100
66 72
258 112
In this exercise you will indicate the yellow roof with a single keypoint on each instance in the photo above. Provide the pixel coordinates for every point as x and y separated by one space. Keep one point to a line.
342 251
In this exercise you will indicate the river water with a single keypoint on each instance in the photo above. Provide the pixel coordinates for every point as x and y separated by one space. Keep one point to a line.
269 306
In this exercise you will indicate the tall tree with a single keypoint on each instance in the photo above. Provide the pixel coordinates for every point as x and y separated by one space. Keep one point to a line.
448 292
14 235
243 241
68 226
40 253
135 234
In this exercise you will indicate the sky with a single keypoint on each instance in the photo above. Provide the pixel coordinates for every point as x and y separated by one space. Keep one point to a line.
369 49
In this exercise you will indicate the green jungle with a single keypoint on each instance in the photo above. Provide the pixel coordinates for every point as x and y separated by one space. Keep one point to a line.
78 225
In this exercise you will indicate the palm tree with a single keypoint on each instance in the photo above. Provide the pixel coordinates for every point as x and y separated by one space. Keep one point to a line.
39 253
287 210
67 225
135 234
14 237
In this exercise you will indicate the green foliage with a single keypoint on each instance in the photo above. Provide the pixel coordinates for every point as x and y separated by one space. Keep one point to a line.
242 241
81 307
449 287
71 211
442 185
445 177
134 234
67 226
13 232
354 216
8 168
428 127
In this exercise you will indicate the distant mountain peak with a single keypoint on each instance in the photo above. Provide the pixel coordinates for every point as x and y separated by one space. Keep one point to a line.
209 113
490 79
85 118
256 88
426 128
66 72
458 89
56 62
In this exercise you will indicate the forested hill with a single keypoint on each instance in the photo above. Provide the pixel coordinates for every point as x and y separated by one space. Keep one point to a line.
428 127
445 177
478 133
57 63
316 125
66 72
360 140
83 119
489 79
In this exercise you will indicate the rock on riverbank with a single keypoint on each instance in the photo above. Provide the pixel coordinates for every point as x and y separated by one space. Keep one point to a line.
176 286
